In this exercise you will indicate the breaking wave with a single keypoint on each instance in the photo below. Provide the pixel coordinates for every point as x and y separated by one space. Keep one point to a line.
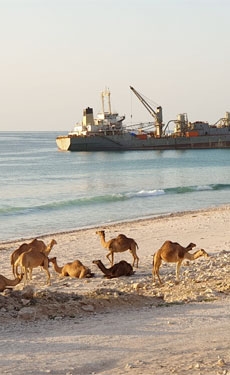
107 199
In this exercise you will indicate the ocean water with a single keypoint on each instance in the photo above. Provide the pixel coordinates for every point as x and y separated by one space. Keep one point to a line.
46 191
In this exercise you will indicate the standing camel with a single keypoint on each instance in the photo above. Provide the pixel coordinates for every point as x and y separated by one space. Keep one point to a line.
118 245
31 259
173 252
37 245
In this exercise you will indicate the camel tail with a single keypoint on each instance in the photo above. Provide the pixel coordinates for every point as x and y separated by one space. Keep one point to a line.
11 260
153 258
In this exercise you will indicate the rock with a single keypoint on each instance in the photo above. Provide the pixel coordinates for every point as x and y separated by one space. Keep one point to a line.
28 292
88 308
25 301
221 362
27 313
138 286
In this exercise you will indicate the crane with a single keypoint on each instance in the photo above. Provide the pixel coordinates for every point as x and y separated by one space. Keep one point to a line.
157 115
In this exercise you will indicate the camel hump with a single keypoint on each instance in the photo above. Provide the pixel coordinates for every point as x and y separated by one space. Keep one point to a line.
181 253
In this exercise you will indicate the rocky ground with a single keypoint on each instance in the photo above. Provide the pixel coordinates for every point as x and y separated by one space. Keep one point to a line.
201 280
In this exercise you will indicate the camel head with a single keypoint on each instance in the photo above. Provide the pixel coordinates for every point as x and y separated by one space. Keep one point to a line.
203 253
53 260
96 261
191 246
100 233
53 242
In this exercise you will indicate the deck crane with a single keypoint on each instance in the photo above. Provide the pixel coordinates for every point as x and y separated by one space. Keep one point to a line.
157 115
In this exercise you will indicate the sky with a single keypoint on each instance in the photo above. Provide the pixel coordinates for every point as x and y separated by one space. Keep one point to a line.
57 56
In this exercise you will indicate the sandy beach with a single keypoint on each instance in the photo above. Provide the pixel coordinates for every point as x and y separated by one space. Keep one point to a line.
127 325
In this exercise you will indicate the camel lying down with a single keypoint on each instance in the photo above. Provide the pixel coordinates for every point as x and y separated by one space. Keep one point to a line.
119 269
72 269
6 283
173 252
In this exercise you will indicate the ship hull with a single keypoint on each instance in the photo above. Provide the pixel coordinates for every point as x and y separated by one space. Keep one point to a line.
125 142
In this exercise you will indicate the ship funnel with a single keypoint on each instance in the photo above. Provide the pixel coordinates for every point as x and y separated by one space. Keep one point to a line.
88 116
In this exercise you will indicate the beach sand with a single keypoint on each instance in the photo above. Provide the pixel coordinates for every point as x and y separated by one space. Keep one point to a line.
127 325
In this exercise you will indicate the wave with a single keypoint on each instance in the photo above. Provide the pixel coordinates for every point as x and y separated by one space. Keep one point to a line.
107 199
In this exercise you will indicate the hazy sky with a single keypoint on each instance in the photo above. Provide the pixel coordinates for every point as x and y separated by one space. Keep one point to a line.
58 55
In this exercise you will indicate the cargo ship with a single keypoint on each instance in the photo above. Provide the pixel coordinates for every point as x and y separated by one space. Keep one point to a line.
106 132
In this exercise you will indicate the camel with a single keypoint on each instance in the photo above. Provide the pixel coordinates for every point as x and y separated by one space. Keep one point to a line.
32 259
122 268
36 245
72 269
173 252
5 283
118 245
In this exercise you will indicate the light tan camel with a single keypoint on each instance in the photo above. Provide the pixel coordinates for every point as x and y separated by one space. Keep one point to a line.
72 269
173 252
5 283
32 259
35 245
122 268
118 245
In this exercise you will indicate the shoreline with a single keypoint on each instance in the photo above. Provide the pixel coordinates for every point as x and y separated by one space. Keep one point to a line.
115 224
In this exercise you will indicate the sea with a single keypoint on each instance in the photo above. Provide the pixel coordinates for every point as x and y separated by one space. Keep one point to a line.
46 191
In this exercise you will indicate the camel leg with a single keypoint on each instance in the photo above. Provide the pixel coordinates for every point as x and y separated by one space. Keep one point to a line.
135 258
48 275
30 273
156 267
45 266
110 254
13 270
178 265
24 271
112 258
81 276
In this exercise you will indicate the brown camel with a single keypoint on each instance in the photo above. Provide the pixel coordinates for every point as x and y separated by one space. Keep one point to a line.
5 283
173 252
32 259
35 245
122 268
118 245
72 269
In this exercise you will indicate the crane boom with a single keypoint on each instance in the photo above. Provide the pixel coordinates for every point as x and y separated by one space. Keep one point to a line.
157 115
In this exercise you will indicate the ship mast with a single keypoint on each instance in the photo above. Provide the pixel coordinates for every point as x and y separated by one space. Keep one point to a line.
106 93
